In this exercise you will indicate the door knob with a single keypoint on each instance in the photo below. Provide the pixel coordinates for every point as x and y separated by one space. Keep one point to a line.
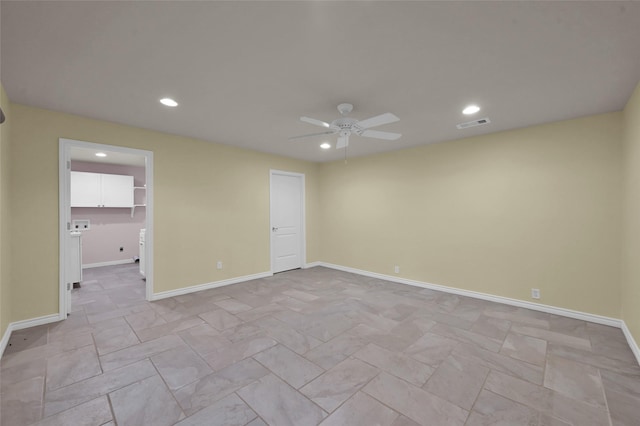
274 229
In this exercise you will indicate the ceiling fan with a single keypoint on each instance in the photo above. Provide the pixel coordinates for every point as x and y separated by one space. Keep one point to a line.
346 126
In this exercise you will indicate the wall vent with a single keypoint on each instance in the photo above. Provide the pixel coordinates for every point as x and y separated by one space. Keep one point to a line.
474 123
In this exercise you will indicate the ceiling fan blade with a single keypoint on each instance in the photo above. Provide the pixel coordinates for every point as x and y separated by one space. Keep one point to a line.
315 122
343 142
330 132
389 136
378 120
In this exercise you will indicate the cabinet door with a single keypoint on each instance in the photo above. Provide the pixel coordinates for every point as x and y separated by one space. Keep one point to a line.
117 191
85 189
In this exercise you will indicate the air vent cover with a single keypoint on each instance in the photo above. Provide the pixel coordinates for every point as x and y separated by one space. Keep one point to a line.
474 123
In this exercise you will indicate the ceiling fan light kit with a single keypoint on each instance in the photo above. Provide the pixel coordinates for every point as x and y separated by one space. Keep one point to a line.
346 126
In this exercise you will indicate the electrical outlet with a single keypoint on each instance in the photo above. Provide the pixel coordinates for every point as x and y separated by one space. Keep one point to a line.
396 269
535 293
219 264
121 248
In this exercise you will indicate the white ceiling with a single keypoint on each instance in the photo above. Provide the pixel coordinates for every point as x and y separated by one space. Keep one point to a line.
244 72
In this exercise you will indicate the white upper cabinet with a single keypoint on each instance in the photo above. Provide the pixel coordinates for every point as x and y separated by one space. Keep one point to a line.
85 189
101 190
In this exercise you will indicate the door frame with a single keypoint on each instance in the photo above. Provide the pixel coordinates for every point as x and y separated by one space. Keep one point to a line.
64 193
303 225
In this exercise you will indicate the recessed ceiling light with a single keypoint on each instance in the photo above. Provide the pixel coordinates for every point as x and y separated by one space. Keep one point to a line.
325 145
100 154
168 102
471 109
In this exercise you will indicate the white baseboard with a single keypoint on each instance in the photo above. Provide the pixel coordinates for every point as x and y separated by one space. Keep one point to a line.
311 265
631 341
207 286
19 325
109 263
613 322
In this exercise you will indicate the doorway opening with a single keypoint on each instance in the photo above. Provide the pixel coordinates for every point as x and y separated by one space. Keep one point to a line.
106 221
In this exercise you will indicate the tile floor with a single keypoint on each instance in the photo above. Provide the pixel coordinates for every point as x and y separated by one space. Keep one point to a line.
312 347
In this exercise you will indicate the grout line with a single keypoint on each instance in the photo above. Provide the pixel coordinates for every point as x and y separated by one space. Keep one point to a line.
606 401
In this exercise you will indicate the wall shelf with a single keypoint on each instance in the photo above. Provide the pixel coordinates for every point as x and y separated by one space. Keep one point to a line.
133 209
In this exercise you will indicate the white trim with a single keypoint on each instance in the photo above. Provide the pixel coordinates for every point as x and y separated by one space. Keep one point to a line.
631 341
311 265
64 214
5 340
584 316
64 155
19 325
207 286
303 213
108 263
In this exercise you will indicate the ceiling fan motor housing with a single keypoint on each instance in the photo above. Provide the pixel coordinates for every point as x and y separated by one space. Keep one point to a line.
345 108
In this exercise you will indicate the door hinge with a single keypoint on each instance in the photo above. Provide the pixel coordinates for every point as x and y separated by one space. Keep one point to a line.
68 286
68 165
68 226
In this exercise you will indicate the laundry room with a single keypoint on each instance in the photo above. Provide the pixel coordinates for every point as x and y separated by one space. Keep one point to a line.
108 200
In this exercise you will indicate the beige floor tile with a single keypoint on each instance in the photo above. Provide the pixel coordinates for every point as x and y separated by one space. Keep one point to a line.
459 380
289 366
80 392
220 319
432 348
91 413
495 410
546 400
24 371
553 337
229 411
575 380
168 328
73 366
146 319
624 408
361 410
234 352
525 348
375 340
500 362
466 336
415 403
233 306
140 351
115 338
338 384
204 339
21 403
398 364
288 336
180 366
279 404
216 386
147 402
27 338
336 350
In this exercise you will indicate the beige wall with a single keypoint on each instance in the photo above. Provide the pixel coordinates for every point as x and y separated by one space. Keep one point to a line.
5 263
211 203
499 214
536 207
631 247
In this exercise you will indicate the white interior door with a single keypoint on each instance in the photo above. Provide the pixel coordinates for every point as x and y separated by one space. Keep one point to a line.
287 221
